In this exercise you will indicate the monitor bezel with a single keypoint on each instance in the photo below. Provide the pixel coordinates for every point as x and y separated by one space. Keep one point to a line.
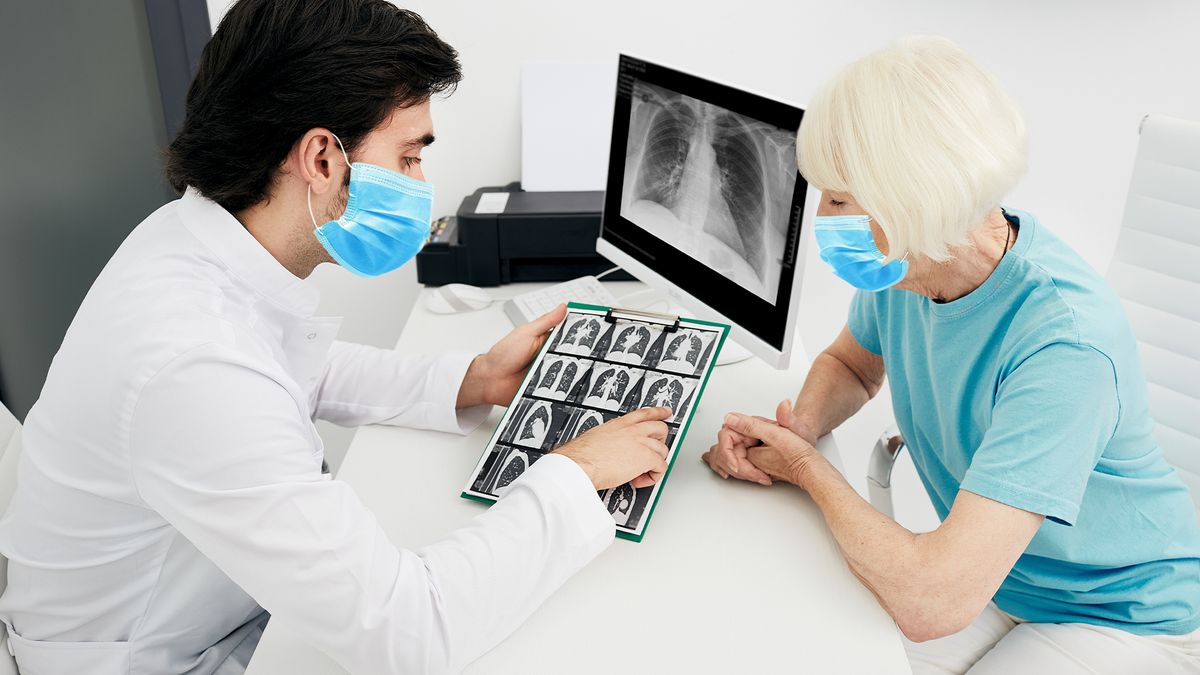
766 329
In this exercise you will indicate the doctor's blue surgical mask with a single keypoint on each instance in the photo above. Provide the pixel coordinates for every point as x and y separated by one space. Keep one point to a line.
386 221
847 246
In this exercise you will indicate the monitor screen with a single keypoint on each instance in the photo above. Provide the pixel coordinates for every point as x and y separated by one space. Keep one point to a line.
703 189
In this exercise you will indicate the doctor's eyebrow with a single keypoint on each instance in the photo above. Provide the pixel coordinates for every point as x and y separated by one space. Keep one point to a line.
427 139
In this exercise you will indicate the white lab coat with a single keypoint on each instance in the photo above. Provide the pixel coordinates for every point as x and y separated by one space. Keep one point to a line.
170 493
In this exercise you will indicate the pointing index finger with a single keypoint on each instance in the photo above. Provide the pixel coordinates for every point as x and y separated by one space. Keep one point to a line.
646 415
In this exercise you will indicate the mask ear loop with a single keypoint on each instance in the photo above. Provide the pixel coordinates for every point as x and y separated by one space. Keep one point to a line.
905 258
312 215
342 147
869 219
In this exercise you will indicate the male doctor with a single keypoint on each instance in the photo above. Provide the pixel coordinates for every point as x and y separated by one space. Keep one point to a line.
170 494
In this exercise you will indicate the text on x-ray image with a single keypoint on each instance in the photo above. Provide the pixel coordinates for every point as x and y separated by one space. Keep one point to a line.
714 184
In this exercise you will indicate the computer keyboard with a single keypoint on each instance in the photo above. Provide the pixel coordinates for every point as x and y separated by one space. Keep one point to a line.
529 306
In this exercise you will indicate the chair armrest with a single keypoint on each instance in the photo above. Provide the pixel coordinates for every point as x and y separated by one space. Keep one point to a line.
879 469
883 457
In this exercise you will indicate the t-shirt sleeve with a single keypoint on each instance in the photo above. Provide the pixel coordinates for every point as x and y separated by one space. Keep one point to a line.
863 321
1054 415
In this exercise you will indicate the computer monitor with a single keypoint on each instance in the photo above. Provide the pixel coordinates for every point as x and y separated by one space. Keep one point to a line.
704 201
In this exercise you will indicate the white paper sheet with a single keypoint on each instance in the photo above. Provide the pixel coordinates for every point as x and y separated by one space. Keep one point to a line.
566 125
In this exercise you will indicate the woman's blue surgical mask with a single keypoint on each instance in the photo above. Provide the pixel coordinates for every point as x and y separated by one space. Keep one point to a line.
386 221
847 246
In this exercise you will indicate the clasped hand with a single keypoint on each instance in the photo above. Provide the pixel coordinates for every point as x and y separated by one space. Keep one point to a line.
762 450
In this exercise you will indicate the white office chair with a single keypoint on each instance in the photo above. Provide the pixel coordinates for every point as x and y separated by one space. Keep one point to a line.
1156 271
10 446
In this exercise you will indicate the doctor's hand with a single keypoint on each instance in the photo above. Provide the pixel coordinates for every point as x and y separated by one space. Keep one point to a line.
631 448
495 376
744 451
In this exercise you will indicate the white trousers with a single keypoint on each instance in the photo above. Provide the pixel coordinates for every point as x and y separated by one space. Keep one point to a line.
997 642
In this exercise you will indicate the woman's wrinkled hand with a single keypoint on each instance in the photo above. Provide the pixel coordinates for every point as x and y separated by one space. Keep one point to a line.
760 450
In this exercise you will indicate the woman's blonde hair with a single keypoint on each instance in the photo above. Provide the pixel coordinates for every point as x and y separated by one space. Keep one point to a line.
922 136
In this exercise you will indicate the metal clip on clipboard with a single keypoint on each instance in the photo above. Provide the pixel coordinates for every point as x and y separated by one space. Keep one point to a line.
670 322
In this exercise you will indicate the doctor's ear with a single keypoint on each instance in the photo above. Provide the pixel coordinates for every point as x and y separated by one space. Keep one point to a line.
320 161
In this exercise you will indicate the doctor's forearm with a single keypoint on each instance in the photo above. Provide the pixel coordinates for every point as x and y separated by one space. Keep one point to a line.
471 391
491 574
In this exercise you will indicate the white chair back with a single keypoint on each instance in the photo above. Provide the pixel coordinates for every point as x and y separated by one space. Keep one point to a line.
1156 271
10 446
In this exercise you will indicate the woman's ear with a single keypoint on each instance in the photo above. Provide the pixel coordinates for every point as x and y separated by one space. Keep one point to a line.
879 236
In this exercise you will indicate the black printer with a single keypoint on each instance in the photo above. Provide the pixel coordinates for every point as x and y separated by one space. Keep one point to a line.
504 234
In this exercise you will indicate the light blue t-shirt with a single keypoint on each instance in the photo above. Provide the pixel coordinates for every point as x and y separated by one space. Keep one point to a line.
1029 391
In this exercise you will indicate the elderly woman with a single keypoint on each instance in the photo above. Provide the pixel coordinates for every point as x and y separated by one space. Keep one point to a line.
1067 543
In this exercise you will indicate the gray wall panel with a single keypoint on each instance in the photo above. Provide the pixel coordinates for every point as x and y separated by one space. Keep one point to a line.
81 121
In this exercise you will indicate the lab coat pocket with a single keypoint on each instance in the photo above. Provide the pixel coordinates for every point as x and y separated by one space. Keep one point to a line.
35 657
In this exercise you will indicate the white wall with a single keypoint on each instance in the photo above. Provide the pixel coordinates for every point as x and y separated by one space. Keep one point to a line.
1084 71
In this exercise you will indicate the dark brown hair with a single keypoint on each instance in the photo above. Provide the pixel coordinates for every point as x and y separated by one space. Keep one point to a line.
277 68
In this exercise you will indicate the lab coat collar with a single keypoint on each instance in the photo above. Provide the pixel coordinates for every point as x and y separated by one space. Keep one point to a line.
229 240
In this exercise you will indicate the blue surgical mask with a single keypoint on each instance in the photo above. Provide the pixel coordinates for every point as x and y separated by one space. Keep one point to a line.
385 224
847 246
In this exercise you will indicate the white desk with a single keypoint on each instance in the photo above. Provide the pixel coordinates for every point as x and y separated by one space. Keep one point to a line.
730 578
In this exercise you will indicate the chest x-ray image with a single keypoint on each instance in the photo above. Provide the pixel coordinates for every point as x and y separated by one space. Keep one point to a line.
591 422
557 376
535 424
505 463
631 341
579 334
669 391
581 421
533 429
687 351
627 504
610 386
714 184
515 464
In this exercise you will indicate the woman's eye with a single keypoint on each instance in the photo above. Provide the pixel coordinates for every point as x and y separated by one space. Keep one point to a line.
834 202
410 162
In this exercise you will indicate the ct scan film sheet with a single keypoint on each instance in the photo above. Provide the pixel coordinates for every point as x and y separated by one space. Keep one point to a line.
591 370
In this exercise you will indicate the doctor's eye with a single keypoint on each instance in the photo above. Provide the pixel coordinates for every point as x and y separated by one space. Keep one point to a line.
410 162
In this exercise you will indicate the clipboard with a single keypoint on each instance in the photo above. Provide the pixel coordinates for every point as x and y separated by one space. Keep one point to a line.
600 363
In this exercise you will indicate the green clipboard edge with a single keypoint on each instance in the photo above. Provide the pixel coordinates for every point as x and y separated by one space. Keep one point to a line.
683 428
